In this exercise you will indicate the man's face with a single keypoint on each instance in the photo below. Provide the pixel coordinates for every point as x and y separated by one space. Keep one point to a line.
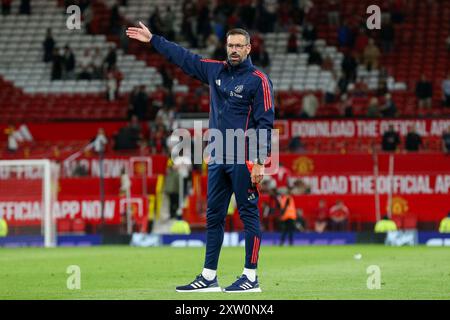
237 49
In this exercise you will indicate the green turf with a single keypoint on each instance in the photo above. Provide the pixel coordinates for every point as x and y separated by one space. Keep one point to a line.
313 272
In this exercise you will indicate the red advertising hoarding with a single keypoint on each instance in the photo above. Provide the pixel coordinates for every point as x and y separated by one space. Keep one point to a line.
89 209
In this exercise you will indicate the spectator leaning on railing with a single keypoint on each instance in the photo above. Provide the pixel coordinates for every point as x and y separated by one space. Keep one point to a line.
321 217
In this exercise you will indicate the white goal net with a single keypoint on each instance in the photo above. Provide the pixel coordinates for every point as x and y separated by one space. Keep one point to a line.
27 193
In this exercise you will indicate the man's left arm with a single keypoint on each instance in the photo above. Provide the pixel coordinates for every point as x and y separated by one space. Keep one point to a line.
264 115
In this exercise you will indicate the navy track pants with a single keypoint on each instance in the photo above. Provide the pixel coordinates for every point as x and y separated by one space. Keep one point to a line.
223 180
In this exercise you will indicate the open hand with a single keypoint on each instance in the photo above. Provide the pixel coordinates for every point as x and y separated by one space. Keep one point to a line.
257 173
142 34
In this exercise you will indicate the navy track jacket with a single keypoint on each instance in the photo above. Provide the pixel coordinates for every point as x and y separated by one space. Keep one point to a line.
241 97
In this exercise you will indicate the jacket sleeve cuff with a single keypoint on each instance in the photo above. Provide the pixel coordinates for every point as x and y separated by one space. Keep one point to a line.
155 40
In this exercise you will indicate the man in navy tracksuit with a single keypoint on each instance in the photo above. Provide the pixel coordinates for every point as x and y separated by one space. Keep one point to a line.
241 98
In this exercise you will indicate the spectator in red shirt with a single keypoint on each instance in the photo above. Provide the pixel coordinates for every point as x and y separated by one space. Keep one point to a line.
282 175
291 101
321 217
338 216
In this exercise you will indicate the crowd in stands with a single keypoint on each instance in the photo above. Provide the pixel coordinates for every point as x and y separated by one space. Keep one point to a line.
94 64
204 26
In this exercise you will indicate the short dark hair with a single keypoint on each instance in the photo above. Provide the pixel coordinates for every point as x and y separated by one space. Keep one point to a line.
239 31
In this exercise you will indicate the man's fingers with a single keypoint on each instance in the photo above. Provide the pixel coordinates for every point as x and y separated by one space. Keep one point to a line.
133 29
132 34
143 26
256 179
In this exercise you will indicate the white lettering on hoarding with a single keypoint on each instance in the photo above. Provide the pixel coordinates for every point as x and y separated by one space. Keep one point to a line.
356 184
365 128
33 210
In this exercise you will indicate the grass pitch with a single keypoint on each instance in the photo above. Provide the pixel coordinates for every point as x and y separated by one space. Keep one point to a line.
313 272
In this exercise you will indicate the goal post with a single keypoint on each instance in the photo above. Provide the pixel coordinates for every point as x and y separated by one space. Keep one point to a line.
29 181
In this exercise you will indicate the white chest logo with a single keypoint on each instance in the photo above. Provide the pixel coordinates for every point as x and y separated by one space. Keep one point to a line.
238 89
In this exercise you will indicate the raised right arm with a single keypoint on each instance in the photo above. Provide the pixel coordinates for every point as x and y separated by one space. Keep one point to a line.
192 64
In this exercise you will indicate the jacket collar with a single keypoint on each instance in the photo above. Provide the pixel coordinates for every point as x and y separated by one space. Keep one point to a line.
244 65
